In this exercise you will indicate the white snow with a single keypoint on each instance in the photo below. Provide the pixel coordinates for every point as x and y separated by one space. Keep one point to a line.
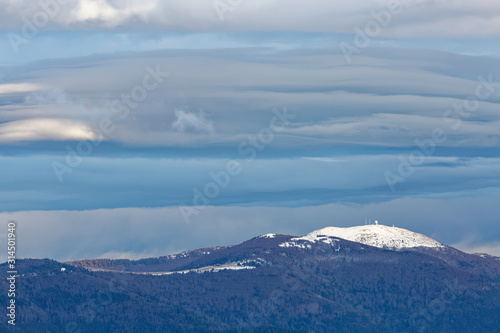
295 244
268 236
238 265
214 268
374 235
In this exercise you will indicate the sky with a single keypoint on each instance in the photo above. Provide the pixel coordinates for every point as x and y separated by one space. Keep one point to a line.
131 129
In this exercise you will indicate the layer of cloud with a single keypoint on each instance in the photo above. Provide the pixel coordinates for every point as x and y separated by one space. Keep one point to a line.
422 18
391 127
132 180
386 98
492 248
140 232
14 88
44 129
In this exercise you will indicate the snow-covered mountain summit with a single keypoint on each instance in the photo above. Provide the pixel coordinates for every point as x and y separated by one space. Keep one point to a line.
374 235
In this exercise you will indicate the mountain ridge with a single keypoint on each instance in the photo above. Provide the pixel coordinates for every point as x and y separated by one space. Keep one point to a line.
237 256
376 235
259 286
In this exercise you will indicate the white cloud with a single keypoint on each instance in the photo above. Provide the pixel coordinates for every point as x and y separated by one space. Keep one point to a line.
44 129
189 121
101 11
13 88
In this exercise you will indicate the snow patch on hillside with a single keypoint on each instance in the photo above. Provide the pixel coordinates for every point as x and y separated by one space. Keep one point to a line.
374 235
268 236
295 244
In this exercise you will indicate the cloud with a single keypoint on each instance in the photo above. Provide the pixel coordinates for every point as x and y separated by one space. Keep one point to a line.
144 232
45 129
469 246
132 178
111 14
388 128
418 18
189 121
48 96
386 97
14 88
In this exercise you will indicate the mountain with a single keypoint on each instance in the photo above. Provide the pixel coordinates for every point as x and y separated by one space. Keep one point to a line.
375 235
370 278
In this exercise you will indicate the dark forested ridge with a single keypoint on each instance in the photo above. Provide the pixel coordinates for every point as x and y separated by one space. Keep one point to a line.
340 286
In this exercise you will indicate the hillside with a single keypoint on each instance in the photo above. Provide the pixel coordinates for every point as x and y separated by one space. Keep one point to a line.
271 283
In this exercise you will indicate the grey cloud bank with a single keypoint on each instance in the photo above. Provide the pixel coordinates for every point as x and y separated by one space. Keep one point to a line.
139 233
420 18
384 98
